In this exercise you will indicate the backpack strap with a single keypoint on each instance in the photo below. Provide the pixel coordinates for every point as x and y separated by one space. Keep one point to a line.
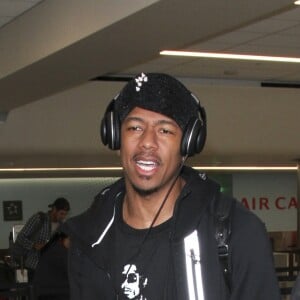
222 223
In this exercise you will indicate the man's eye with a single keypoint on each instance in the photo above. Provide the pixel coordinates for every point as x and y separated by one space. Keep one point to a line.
134 128
131 278
166 131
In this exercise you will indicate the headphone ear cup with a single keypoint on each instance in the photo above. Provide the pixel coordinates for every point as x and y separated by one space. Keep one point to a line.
103 131
110 130
192 139
201 138
116 141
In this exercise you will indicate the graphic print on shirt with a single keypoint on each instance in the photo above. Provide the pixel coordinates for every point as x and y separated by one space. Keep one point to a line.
134 283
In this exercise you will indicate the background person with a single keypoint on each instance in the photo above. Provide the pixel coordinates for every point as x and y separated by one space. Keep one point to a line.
38 230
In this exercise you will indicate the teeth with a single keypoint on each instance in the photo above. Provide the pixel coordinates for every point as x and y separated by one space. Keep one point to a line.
146 165
146 162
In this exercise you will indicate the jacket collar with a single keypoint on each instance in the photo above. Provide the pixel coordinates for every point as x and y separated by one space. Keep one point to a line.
195 197
88 226
197 194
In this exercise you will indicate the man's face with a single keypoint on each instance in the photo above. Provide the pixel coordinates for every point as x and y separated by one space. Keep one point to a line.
58 215
150 150
131 283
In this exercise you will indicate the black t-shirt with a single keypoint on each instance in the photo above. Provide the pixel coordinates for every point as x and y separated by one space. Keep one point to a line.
142 262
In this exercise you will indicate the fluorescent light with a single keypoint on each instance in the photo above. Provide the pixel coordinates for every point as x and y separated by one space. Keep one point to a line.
231 56
200 168
297 2
247 168
60 169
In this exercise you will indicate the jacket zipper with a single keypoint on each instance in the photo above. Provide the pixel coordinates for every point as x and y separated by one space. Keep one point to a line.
193 267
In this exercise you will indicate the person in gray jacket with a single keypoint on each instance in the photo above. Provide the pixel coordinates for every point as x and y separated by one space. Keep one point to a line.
152 234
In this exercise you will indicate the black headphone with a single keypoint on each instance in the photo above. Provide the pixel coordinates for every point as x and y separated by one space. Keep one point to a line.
193 138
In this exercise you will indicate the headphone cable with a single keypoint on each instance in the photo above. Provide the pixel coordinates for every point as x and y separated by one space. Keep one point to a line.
160 209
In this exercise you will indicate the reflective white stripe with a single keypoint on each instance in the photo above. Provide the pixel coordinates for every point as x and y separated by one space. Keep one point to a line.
105 230
193 266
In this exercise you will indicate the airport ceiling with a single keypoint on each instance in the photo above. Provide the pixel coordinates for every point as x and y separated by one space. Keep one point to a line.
47 47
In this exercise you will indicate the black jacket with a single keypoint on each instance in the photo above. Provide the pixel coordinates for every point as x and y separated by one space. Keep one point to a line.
250 257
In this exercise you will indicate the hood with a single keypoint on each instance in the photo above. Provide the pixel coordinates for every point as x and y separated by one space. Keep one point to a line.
87 227
195 199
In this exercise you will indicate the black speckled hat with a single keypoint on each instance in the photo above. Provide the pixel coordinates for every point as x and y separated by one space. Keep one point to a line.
160 93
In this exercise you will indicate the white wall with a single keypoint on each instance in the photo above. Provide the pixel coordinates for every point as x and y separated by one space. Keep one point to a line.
271 196
36 194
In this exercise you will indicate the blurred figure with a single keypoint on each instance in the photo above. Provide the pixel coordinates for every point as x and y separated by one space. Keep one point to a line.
51 275
37 231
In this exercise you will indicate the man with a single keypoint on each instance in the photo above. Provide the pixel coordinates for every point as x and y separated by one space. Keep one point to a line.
38 230
160 218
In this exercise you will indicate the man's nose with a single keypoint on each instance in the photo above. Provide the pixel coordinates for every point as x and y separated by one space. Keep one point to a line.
149 139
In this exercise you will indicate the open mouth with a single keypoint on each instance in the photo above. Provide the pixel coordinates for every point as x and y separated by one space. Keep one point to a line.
147 165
